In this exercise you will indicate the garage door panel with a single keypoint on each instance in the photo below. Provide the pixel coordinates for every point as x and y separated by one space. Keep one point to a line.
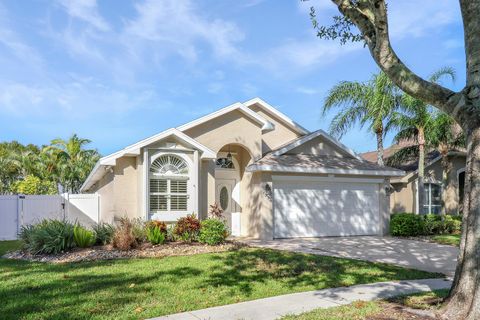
325 209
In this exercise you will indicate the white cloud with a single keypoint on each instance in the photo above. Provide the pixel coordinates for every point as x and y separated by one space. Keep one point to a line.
177 26
296 56
414 18
18 48
86 10
80 97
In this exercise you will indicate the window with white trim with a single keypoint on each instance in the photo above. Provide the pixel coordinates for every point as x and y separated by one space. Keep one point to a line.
433 198
168 184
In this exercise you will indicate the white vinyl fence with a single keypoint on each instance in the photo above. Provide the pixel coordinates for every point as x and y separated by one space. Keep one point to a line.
20 210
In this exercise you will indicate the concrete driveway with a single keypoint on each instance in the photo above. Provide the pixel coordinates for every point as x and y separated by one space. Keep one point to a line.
406 253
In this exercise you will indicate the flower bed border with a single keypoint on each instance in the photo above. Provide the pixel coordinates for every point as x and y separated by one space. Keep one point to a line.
145 250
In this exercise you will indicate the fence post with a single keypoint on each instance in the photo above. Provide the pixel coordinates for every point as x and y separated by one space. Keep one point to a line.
98 207
66 204
20 198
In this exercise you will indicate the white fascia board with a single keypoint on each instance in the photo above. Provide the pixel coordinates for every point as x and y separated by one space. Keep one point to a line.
386 173
292 124
86 183
134 150
278 178
312 136
266 125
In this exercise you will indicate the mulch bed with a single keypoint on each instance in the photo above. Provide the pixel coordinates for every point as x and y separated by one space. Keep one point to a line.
145 250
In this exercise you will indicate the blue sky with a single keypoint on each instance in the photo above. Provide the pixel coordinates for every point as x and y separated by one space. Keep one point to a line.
119 71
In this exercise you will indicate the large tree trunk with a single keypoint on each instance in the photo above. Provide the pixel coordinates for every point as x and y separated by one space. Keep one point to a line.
371 18
464 298
464 301
379 135
421 171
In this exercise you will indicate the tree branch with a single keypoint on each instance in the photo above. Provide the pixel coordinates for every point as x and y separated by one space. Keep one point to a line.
370 16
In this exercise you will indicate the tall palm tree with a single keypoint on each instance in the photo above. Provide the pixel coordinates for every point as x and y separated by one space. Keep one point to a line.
446 135
415 121
74 161
367 103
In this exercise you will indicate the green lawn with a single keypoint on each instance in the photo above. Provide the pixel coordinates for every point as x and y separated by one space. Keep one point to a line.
450 239
142 288
361 310
6 246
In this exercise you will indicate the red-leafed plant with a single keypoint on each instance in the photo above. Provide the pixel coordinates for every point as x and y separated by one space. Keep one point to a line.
162 226
215 211
187 228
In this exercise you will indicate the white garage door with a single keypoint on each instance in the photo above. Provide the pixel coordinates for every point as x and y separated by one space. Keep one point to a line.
321 208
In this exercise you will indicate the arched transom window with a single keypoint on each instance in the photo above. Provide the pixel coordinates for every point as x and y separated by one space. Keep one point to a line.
168 184
225 163
169 165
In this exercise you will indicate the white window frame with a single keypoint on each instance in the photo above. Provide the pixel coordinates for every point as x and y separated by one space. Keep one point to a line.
428 196
170 215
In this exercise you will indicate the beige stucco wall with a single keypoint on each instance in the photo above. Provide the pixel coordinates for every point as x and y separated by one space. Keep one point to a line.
273 139
118 190
231 128
318 146
125 188
404 197
257 221
104 188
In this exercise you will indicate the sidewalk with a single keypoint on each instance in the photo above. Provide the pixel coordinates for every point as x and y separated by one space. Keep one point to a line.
276 307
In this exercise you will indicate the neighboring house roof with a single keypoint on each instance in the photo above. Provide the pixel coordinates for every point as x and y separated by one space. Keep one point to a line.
387 152
100 167
307 163
409 166
302 140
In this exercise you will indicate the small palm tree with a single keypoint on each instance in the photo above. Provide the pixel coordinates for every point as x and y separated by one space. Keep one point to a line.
368 103
415 122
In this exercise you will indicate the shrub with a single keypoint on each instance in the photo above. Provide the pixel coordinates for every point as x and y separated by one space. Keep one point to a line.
213 231
171 236
123 238
406 225
48 237
187 228
103 233
138 230
432 224
83 238
33 185
452 224
155 235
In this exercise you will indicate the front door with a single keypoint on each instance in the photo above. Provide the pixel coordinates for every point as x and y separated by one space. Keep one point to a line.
224 192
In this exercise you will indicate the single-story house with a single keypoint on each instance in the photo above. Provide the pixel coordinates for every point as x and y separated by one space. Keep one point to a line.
272 177
404 195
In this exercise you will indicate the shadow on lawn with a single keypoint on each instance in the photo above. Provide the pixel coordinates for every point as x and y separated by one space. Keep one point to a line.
104 288
62 294
244 269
